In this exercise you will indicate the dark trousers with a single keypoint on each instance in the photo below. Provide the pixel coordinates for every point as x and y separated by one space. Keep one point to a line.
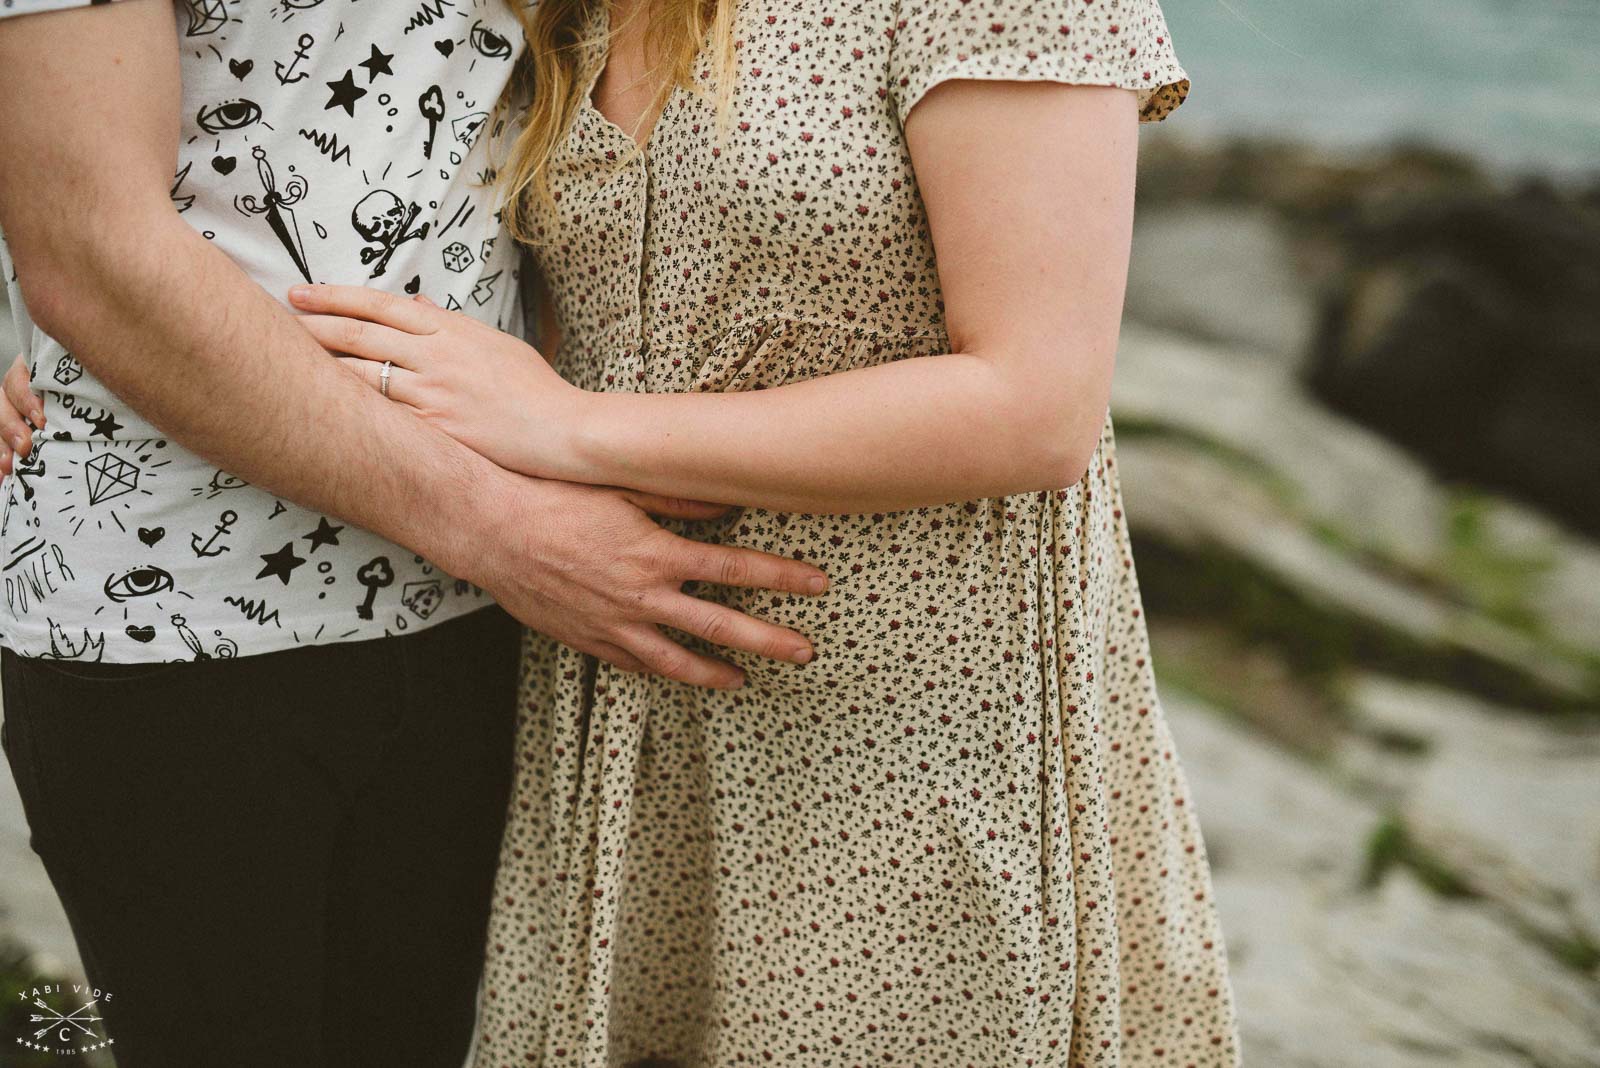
277 860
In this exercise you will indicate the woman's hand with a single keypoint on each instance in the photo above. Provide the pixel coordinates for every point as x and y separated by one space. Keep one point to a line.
19 407
490 391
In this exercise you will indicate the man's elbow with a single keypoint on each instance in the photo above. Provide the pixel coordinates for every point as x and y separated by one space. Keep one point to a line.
47 286
66 274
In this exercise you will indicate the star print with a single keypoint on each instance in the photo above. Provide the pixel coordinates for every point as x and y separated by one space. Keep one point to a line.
281 563
345 94
376 64
325 534
105 425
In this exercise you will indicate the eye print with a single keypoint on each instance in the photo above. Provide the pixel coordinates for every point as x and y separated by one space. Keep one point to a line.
488 43
229 115
224 481
137 582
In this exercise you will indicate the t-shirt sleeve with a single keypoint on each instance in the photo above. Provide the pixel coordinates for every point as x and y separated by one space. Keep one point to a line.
29 7
1121 43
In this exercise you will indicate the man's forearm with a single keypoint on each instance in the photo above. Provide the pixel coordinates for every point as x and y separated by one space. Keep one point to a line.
170 323
177 330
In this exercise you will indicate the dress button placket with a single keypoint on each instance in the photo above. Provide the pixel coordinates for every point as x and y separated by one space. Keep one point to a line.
639 177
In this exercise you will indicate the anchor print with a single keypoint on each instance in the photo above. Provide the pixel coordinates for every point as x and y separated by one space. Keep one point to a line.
287 75
225 524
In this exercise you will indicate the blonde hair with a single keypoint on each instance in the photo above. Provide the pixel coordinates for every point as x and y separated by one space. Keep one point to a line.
561 61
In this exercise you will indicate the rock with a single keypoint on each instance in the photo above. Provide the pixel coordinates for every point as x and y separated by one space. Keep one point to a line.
1222 272
1330 974
1459 313
1334 469
1567 593
1303 183
1230 457
1468 329
1510 802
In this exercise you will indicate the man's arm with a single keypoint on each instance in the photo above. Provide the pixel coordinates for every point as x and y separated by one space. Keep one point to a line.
89 114
107 267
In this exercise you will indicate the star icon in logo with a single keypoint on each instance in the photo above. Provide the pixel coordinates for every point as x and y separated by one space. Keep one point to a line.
281 564
345 94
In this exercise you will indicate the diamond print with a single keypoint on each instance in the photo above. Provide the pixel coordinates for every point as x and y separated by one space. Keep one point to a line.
206 17
109 477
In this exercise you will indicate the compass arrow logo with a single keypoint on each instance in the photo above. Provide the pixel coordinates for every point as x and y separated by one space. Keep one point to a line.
78 1018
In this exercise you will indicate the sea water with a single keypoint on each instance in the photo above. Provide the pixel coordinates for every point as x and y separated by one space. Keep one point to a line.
1512 83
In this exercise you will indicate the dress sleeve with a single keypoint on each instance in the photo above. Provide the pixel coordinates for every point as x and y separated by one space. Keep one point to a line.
1086 42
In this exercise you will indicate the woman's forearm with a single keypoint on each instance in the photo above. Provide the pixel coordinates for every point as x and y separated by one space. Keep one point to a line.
915 432
1028 189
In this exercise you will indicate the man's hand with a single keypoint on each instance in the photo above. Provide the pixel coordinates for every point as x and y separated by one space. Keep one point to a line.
587 566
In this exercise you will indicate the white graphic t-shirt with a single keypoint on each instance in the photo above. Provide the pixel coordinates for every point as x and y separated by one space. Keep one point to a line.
323 140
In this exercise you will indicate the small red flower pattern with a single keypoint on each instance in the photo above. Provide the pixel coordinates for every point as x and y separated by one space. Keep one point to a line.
960 836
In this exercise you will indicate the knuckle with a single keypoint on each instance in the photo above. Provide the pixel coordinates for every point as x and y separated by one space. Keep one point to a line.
633 602
629 582
733 569
715 627
351 331
673 662
774 645
663 557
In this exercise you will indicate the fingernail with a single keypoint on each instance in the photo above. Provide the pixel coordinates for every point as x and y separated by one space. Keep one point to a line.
16 443
299 294
37 415
802 656
816 584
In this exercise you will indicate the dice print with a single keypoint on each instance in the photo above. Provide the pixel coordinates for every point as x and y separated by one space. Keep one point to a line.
458 257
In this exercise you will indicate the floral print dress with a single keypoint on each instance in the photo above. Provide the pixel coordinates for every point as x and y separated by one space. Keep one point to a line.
960 835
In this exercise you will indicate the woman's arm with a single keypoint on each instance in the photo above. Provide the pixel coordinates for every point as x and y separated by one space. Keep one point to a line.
1029 191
